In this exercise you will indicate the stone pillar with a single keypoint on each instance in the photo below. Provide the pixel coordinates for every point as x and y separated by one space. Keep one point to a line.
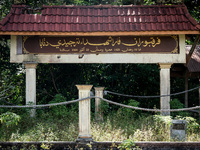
165 87
98 111
84 114
31 85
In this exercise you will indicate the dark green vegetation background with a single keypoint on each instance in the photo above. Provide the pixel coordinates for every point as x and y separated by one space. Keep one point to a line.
53 79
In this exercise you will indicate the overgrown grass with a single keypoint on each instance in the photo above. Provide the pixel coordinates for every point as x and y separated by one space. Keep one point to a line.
117 126
60 123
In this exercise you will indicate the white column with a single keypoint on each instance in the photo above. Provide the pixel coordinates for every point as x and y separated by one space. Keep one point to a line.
84 113
31 85
98 111
165 88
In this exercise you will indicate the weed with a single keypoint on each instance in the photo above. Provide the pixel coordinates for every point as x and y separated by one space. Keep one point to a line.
128 145
116 126
8 121
46 146
176 104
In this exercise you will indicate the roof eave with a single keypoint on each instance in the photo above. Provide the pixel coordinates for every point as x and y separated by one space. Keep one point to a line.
125 33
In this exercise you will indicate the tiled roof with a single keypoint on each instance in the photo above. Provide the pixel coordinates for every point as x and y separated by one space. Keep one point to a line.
194 63
100 18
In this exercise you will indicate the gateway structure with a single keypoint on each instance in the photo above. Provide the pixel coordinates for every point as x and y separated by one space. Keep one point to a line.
99 34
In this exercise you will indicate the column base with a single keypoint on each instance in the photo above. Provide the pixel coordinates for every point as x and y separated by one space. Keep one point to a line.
164 113
32 112
84 139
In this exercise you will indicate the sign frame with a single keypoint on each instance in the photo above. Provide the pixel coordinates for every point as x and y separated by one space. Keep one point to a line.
99 44
16 55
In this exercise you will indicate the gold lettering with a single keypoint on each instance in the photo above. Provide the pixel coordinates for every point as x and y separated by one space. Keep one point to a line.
82 49
157 43
108 50
135 45
124 51
74 50
117 49
64 50
140 43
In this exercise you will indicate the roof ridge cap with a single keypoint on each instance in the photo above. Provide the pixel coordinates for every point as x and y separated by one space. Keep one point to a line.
5 20
190 18
107 6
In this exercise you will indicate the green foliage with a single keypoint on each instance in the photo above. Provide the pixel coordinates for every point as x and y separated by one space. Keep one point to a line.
194 8
59 110
188 42
115 127
79 2
45 146
166 2
149 2
130 113
5 6
11 78
104 107
176 104
9 119
127 144
163 119
192 125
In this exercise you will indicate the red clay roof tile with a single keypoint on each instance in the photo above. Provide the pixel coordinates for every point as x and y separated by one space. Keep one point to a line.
100 18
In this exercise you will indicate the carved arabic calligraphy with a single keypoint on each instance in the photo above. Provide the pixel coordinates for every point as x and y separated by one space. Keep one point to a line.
110 41
101 44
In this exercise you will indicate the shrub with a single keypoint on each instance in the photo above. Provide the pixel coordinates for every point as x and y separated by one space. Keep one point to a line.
192 125
128 112
60 110
9 120
128 145
176 104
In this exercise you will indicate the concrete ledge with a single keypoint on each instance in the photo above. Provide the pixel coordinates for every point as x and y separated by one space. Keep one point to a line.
56 145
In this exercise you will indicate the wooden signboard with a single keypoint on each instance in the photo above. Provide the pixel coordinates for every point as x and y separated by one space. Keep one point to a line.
100 44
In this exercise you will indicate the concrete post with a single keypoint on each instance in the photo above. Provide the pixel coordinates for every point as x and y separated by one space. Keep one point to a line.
98 111
31 85
165 88
84 114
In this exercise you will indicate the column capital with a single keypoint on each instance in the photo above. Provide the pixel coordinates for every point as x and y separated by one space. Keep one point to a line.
84 87
99 88
30 65
165 65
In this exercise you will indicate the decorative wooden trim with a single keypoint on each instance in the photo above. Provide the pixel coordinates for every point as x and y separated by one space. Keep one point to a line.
101 33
